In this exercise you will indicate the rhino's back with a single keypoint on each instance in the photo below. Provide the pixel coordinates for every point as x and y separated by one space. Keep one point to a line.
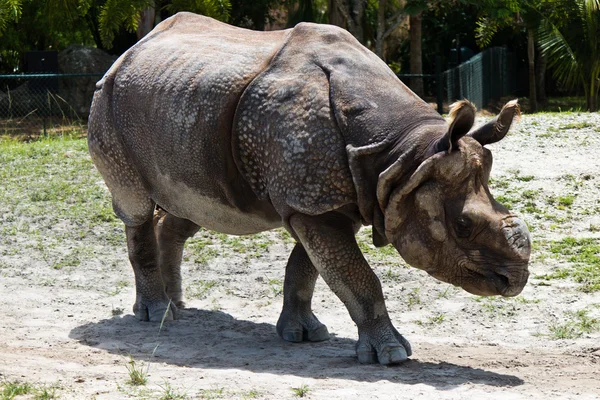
172 98
322 92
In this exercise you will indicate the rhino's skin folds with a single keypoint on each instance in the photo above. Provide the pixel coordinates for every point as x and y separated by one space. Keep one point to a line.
240 132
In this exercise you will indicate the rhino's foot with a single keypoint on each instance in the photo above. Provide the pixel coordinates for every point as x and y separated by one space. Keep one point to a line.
176 298
383 345
155 311
300 328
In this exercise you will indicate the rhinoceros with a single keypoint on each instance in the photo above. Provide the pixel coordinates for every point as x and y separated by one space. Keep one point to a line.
240 132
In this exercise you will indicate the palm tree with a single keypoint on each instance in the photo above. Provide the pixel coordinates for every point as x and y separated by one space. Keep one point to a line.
573 47
518 14
129 13
10 10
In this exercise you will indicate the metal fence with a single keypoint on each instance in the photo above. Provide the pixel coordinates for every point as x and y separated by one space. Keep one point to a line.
37 104
486 76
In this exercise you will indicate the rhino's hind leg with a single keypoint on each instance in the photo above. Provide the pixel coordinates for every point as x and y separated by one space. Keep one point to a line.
297 322
152 303
329 241
171 234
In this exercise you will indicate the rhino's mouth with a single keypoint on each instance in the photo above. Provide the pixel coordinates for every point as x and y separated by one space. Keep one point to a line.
503 281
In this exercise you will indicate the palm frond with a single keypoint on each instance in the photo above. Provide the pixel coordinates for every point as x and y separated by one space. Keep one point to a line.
560 55
116 13
218 9
10 10
485 31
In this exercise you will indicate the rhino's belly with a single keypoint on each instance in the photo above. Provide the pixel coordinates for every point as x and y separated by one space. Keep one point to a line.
214 213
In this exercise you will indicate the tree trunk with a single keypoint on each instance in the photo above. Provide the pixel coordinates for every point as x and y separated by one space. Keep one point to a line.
146 22
379 48
416 60
357 14
540 78
334 15
592 95
531 57
353 12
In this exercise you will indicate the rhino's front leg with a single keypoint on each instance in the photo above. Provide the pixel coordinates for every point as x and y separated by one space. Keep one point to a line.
330 243
152 303
297 321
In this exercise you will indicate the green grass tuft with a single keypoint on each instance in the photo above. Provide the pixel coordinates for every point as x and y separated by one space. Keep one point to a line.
584 254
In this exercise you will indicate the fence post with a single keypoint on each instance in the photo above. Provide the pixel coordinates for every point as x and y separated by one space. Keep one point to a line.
439 84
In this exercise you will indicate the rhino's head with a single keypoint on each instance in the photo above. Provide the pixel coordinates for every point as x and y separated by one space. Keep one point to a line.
443 219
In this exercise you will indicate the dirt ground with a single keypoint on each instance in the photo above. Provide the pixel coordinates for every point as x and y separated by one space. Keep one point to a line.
72 328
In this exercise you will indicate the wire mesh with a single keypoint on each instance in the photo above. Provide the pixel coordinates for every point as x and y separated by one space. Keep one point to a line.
36 104
487 76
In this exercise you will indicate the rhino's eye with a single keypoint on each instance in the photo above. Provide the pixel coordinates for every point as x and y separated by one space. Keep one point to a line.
463 227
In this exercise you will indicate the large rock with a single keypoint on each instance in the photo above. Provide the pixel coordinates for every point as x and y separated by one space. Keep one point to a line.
77 93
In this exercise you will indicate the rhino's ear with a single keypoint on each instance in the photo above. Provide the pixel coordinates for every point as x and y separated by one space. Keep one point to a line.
498 127
462 114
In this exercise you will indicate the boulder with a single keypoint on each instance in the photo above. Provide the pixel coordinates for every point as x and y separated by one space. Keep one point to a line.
76 93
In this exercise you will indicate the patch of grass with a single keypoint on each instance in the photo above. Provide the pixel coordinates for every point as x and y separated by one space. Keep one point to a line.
285 236
215 305
530 194
436 319
209 394
564 331
414 298
523 300
445 294
525 178
138 375
169 393
300 391
566 201
251 394
580 323
386 254
118 288
499 183
390 275
577 125
70 260
497 307
276 286
12 389
584 253
46 393
199 288
507 201
117 311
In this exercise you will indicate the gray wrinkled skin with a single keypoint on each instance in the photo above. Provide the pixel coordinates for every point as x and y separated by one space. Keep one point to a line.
240 132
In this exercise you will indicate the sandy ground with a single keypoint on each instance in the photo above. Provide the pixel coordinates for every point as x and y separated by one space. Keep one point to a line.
73 327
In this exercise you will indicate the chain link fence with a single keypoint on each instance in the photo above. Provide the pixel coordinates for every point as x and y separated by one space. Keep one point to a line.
487 76
41 104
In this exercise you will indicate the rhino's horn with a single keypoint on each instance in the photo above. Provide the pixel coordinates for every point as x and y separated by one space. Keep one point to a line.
498 127
462 114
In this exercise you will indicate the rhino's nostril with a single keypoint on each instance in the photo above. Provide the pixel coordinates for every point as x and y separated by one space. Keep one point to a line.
511 284
504 280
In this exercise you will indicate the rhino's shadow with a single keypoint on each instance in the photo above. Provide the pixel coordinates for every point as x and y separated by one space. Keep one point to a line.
213 339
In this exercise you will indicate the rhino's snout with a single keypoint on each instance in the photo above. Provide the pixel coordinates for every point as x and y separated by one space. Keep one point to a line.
518 238
513 283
